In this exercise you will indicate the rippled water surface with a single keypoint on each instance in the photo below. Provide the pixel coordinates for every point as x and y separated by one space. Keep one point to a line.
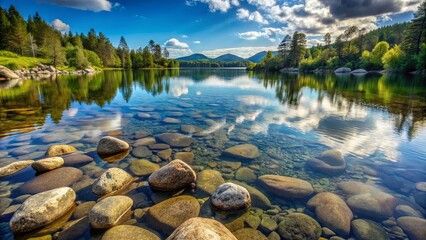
378 122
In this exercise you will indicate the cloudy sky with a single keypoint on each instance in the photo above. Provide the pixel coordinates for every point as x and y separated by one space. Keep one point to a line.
214 27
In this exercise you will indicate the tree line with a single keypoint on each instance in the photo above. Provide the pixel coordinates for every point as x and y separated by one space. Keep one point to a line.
34 37
212 63
399 47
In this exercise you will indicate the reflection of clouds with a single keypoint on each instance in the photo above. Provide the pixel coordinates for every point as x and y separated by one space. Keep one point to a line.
71 112
252 100
180 87
251 116
240 82
93 129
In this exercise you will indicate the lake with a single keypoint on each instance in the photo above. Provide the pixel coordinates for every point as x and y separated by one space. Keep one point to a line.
377 122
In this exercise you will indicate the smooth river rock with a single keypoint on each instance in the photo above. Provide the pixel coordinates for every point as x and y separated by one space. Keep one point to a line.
201 228
14 167
109 146
42 209
414 227
59 150
141 152
249 234
230 197
47 164
60 177
243 152
113 180
143 167
75 159
209 180
110 211
7 73
299 226
330 162
174 139
174 176
129 232
332 212
286 187
377 206
168 215
258 199
364 229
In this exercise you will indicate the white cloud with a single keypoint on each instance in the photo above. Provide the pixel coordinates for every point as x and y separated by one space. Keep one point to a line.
184 36
60 26
262 3
244 14
216 5
177 48
272 34
89 5
196 42
244 52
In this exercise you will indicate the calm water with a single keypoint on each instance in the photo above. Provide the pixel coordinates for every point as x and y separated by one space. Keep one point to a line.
376 121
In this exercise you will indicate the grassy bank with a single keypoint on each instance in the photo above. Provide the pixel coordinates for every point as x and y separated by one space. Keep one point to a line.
14 61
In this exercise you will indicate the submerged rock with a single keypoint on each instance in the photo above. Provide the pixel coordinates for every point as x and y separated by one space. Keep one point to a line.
286 187
110 211
14 167
332 212
230 197
75 159
109 146
366 229
174 139
113 180
329 162
143 167
141 152
406 211
187 157
170 120
174 176
298 226
128 232
167 215
246 174
190 129
249 234
258 199
414 227
59 150
201 228
244 152
209 180
47 164
42 209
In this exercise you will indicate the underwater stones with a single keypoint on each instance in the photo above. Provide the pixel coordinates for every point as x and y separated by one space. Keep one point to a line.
376 206
201 228
14 167
165 154
60 177
366 229
246 174
299 226
167 215
58 150
42 209
144 142
414 227
114 179
268 225
354 187
109 146
286 187
158 146
129 232
406 211
330 162
209 180
249 234
141 152
83 209
174 139
244 152
47 164
174 176
332 212
141 134
110 211
258 199
170 120
189 129
187 157
421 186
143 167
75 159
230 197
143 116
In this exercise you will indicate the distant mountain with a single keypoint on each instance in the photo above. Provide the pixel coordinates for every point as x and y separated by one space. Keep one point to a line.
259 56
229 58
197 56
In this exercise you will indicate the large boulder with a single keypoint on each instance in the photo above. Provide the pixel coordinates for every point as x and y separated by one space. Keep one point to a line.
366 229
167 215
209 180
174 176
299 226
174 139
129 232
414 227
110 211
109 146
230 197
42 209
6 73
332 212
343 70
201 228
359 71
330 162
47 164
111 181
243 152
14 167
286 187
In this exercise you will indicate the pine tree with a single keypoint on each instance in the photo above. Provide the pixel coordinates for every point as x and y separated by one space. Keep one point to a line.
17 34
327 39
297 49
52 48
4 28
123 49
148 61
416 33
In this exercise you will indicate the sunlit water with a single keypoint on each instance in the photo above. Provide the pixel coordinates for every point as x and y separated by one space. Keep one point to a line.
375 121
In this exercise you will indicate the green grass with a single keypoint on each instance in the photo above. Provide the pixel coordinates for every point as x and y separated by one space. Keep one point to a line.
14 61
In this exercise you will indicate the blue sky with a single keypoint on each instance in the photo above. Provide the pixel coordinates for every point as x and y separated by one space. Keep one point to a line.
214 27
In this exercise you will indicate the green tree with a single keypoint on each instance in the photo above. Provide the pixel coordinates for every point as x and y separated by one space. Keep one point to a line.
327 39
297 49
393 59
4 28
52 49
416 33
17 39
421 58
148 61
123 50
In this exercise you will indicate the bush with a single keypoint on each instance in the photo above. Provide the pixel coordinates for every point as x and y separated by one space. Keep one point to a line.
4 53
93 58
12 66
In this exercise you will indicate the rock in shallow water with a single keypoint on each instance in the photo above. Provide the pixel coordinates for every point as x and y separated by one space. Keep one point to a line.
174 139
167 215
110 212
249 234
201 228
14 167
143 167
109 146
258 199
47 164
209 180
58 150
174 176
414 227
128 232
332 211
286 187
42 209
366 229
113 180
230 197
298 226
329 162
244 152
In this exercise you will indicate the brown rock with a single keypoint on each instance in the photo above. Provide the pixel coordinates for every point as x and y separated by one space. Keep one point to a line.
286 187
14 167
174 176
47 164
244 152
201 228
58 150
